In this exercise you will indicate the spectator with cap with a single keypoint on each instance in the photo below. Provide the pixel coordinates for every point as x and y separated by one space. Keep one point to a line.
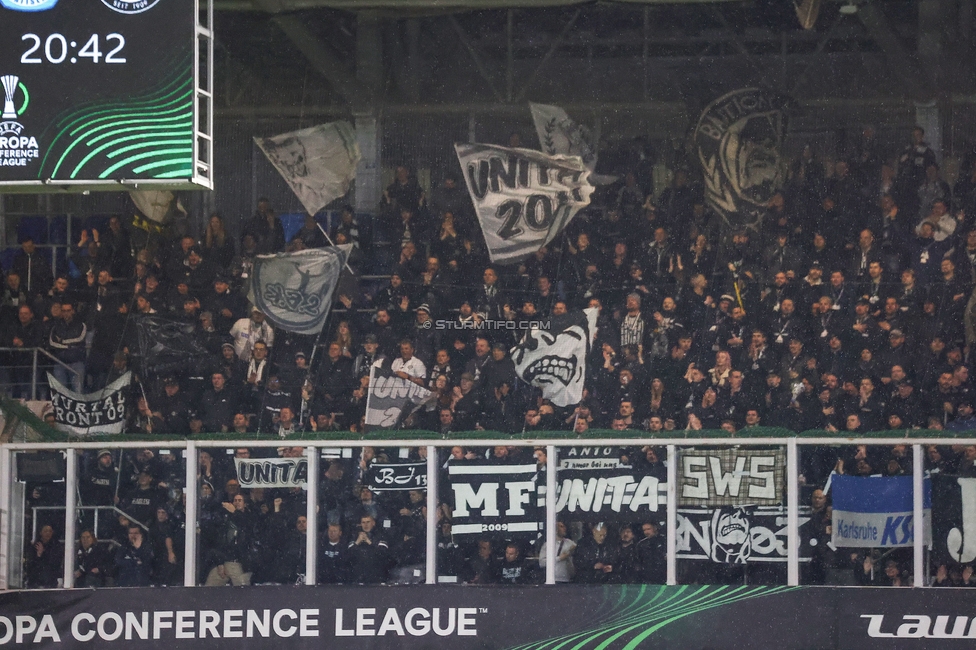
172 408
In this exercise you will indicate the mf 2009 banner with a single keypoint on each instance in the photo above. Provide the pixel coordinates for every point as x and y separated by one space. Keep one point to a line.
496 499
731 477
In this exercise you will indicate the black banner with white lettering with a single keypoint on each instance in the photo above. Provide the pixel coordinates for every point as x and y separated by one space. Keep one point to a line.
383 477
738 535
731 477
611 617
610 495
953 519
496 499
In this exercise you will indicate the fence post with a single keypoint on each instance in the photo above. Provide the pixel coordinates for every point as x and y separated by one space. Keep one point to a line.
792 513
5 498
312 516
190 539
70 505
552 463
432 499
672 515
918 510
34 375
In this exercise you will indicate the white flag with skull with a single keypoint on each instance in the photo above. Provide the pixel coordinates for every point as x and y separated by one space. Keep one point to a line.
318 163
294 290
523 198
554 358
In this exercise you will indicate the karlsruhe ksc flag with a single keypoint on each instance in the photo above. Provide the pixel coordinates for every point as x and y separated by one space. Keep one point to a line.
318 163
554 359
294 290
877 511
523 198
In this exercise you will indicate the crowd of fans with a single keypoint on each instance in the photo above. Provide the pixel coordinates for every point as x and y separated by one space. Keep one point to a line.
849 309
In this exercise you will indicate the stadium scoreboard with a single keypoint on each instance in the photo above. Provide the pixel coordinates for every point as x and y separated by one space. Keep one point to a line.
105 95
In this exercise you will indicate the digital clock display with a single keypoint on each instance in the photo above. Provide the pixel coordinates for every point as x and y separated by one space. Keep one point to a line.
97 90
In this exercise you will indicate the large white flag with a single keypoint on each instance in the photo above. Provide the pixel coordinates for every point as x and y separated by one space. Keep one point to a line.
294 290
523 198
553 358
318 163
99 412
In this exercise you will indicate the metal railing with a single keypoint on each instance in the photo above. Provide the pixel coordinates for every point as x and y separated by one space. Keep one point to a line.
20 374
96 509
312 451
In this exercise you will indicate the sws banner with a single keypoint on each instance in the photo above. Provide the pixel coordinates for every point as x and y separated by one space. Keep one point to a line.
496 499
877 511
737 535
731 477
608 617
101 412
387 477
523 198
272 472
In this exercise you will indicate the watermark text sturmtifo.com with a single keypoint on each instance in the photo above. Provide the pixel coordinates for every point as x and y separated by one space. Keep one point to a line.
486 324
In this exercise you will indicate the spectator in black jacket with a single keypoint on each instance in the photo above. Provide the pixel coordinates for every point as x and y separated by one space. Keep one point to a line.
93 564
134 560
369 554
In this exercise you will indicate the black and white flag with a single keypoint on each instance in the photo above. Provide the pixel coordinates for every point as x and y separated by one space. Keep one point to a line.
523 198
554 359
391 399
272 472
739 139
318 163
496 499
102 412
294 290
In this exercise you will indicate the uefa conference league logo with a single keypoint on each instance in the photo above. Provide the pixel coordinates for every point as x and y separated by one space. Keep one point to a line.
16 148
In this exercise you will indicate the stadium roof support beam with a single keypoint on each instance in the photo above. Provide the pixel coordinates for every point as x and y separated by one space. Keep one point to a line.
902 62
475 58
323 61
545 59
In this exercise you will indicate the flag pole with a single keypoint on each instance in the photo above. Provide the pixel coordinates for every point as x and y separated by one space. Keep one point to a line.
331 243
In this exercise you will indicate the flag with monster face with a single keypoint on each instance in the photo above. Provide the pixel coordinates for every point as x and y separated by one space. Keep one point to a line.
554 359
731 535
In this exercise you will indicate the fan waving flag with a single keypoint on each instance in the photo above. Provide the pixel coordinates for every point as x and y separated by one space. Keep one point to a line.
390 398
554 359
294 290
523 198
318 163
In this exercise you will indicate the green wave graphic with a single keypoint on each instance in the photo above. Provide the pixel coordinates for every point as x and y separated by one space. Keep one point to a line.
149 136
636 616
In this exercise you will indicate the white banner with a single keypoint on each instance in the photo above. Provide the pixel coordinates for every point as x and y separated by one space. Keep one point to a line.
99 412
554 359
560 135
523 198
272 472
294 290
318 163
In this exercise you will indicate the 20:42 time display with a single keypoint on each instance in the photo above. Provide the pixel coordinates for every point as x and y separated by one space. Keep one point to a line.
58 49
